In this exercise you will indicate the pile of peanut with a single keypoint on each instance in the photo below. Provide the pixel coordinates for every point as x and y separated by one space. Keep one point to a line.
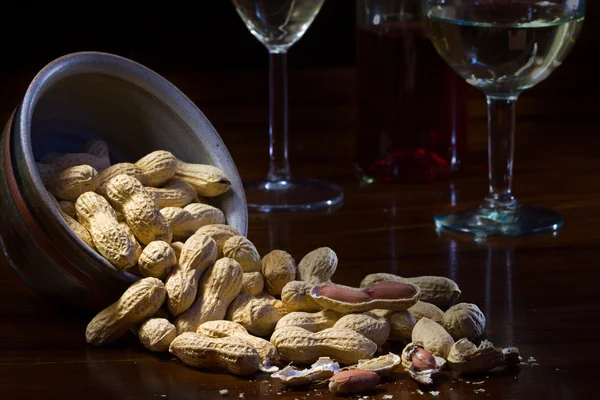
207 296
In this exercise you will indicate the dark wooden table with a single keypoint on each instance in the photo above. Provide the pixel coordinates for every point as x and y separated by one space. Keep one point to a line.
539 293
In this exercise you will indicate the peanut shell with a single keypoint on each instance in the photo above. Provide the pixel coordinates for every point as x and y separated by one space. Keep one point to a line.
156 334
433 337
218 354
278 268
438 290
295 295
466 357
259 315
323 368
253 283
303 347
244 252
373 328
401 326
382 366
318 266
220 233
219 286
423 309
140 301
222 328
313 322
464 320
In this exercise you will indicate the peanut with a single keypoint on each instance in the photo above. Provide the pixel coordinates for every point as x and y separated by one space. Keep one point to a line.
138 247
295 296
423 360
318 266
313 322
63 161
219 329
353 381
220 285
177 248
97 148
156 334
158 167
157 259
110 239
437 290
220 233
421 364
303 347
344 295
402 324
433 336
138 302
278 268
175 193
71 182
228 353
423 309
390 290
186 221
346 299
244 252
373 328
464 320
74 225
197 254
209 181
259 315
128 195
253 283
119 169
68 208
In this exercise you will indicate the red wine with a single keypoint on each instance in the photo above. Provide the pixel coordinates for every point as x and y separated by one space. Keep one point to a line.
412 107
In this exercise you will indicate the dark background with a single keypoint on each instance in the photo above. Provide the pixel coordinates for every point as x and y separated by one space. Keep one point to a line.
199 35
202 35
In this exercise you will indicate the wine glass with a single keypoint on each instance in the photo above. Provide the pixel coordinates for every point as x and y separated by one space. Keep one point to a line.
502 47
278 24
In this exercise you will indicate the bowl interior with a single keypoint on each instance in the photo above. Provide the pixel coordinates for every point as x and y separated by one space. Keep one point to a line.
133 121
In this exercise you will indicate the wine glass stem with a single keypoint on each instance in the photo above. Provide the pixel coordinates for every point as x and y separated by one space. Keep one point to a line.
501 146
279 168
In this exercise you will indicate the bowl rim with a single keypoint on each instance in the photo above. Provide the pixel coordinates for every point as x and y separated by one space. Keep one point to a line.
87 62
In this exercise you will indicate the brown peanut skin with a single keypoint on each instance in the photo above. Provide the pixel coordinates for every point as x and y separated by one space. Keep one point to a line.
353 381
423 360
390 290
345 295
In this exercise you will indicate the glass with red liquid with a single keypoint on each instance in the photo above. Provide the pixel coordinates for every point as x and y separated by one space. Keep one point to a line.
412 107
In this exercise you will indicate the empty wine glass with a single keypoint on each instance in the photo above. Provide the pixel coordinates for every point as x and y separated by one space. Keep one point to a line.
502 47
278 24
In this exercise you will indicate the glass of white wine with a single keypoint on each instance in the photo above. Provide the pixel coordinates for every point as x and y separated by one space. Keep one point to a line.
278 24
502 47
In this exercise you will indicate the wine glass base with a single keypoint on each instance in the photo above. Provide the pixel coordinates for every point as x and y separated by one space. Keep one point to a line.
483 222
292 195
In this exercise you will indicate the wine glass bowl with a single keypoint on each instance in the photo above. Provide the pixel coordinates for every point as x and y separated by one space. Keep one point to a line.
278 24
502 48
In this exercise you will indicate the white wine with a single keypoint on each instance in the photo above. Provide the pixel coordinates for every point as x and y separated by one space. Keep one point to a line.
278 24
503 49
